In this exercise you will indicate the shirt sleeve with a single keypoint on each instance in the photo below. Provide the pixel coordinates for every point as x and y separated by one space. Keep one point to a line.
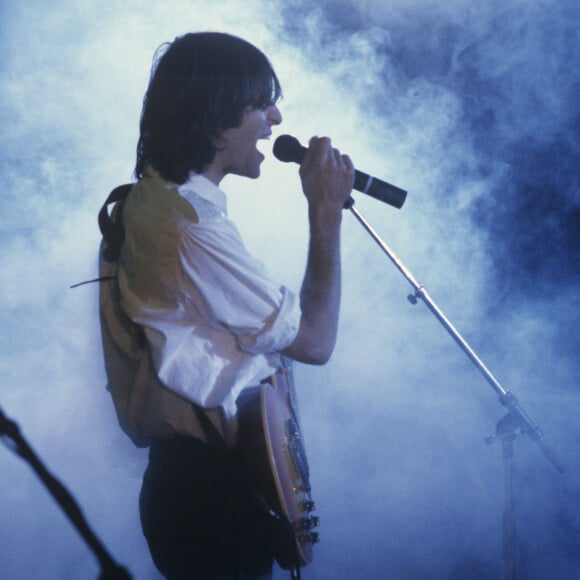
226 286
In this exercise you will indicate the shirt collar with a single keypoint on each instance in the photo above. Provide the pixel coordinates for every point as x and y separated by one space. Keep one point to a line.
201 186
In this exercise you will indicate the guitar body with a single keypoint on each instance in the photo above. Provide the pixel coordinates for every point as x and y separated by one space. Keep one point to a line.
273 452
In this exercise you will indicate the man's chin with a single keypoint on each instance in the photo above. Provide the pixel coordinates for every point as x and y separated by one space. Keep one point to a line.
253 173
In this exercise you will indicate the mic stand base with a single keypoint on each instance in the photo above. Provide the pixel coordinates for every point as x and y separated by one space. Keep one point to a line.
507 429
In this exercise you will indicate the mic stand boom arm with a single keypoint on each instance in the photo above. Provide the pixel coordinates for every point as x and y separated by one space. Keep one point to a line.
507 399
110 570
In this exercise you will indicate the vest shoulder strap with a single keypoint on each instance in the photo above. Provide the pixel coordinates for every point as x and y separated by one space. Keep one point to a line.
112 226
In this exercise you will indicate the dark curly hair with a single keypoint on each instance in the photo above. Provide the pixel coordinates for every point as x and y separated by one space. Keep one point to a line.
201 84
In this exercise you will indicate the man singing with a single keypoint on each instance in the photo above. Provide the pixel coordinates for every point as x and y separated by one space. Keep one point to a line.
190 320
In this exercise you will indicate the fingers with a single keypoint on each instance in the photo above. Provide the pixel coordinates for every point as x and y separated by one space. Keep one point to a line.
345 161
315 155
321 153
326 173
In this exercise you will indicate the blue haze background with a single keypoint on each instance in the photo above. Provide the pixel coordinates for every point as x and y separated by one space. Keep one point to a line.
471 107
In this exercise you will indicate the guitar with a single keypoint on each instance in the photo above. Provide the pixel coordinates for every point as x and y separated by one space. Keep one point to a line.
274 455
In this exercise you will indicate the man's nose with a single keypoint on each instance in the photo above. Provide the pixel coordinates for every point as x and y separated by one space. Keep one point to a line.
274 116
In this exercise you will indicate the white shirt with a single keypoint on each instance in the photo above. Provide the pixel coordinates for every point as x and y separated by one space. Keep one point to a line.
213 319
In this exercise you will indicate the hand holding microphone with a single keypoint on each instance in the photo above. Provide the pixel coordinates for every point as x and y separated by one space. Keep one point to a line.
288 148
327 176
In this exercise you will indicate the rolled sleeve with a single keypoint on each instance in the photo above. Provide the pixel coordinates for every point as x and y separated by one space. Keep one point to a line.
232 292
279 331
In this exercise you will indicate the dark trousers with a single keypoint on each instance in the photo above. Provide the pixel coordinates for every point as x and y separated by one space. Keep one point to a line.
199 519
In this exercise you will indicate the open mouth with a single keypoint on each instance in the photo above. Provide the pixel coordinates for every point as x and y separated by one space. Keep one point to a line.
263 138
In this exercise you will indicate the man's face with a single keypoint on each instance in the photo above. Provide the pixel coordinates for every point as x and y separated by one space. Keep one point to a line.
238 153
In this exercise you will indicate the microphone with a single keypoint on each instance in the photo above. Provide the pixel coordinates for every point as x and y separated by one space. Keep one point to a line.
288 148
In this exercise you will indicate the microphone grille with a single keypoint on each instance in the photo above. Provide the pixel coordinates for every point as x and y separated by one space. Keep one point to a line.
288 148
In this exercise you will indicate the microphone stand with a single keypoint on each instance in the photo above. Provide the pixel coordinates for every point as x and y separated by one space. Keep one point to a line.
515 422
109 569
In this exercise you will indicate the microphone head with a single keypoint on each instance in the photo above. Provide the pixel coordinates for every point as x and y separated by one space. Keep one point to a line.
288 148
